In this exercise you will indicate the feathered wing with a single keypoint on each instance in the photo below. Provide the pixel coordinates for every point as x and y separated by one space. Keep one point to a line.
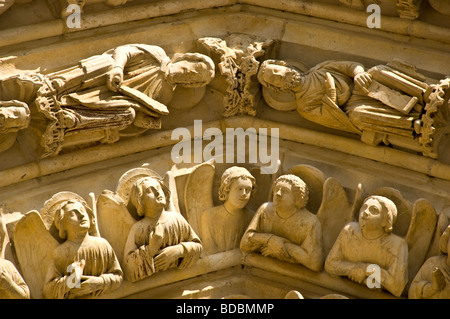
114 220
335 211
358 201
198 195
420 234
442 223
169 181
314 179
34 247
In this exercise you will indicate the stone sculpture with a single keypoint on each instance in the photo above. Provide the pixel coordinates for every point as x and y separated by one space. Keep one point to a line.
328 200
236 187
120 93
433 279
390 104
159 238
61 254
239 56
284 229
12 285
14 116
371 241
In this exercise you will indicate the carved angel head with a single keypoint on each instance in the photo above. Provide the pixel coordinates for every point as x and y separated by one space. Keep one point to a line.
377 212
190 70
290 192
71 219
66 214
150 196
237 185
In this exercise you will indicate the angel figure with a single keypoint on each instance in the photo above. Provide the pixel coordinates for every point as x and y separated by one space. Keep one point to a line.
284 229
60 251
157 237
222 227
12 285
371 241
384 104
433 279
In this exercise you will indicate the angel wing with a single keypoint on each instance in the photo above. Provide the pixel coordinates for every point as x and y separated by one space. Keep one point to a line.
442 223
198 194
335 211
358 201
314 178
114 220
416 223
34 247
420 234
169 181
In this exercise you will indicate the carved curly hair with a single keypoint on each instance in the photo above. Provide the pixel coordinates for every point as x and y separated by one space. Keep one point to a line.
299 188
229 176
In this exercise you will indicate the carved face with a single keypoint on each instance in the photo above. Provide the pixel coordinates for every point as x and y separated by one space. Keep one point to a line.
277 75
283 198
240 191
13 118
76 217
371 217
153 197
188 73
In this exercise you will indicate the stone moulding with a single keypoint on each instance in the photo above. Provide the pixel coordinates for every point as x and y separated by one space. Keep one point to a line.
396 158
253 264
162 8
204 265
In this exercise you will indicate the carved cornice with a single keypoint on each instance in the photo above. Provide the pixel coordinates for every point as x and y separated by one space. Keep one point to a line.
166 8
396 158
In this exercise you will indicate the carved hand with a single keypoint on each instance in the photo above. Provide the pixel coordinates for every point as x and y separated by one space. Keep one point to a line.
115 78
357 274
363 80
437 280
88 285
275 248
167 256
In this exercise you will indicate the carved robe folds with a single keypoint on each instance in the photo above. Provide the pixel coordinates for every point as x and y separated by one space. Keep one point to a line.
171 229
